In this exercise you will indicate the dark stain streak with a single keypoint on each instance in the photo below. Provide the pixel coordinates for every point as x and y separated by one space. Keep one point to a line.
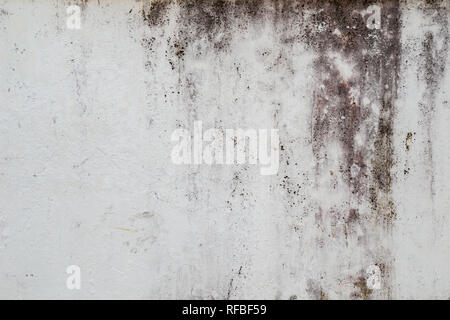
363 292
353 216
230 287
375 54
230 284
433 61
340 28
83 4
337 115
154 12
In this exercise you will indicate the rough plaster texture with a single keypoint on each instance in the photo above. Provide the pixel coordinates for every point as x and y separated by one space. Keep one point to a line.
86 176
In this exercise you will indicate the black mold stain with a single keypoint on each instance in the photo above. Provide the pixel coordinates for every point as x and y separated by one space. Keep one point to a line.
337 114
340 226
239 192
363 292
293 190
339 28
215 20
315 291
211 20
433 62
408 140
153 12
382 162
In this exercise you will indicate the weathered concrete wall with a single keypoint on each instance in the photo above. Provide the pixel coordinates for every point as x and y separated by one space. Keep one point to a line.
86 176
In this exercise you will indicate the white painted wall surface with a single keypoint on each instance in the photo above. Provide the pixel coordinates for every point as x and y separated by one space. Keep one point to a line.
86 176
